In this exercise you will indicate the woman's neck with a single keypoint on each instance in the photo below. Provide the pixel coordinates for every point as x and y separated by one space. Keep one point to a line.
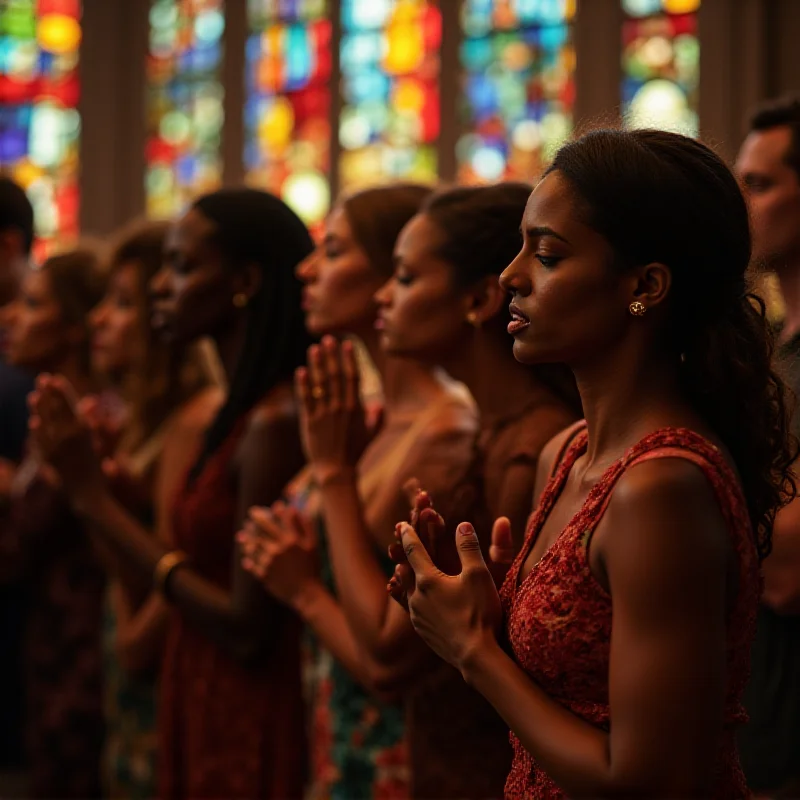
628 395
407 384
230 344
500 385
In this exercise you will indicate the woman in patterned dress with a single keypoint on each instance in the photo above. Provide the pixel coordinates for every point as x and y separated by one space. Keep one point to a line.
629 613
359 741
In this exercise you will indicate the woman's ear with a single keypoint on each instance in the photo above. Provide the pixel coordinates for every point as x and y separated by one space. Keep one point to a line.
651 284
247 281
487 298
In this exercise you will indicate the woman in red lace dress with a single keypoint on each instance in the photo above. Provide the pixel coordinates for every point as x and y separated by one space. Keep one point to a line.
618 648
230 712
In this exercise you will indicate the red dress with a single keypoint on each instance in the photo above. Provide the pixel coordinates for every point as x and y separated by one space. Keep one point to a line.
226 730
558 619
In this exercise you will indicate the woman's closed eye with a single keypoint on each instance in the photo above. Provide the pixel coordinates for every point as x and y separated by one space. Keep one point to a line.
403 278
547 261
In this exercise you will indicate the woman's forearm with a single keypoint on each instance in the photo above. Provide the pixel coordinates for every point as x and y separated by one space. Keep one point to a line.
323 614
140 632
360 582
201 602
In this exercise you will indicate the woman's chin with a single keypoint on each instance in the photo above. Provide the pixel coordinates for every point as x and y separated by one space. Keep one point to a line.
525 353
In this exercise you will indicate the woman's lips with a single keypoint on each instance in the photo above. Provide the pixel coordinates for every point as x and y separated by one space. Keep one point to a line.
518 320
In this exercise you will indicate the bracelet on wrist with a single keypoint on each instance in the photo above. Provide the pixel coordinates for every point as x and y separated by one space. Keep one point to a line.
164 569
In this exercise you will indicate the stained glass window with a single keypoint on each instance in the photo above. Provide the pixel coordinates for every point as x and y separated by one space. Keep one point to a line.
661 64
39 120
184 103
288 106
389 124
517 88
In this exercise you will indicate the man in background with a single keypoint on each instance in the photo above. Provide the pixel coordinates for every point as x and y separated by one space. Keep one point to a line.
769 169
16 239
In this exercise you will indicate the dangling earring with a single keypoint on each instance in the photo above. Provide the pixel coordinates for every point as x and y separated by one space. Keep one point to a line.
240 300
637 309
472 319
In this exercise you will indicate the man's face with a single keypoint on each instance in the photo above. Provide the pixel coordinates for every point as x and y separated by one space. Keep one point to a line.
772 189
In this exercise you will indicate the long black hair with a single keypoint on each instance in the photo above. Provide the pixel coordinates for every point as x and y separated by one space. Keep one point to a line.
253 227
662 197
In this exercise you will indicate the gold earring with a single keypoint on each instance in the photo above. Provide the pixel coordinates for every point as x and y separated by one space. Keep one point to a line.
472 319
240 300
637 309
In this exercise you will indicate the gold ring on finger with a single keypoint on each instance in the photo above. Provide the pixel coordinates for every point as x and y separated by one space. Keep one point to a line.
317 392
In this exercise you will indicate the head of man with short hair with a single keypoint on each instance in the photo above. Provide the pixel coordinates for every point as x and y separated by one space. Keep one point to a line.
16 237
769 168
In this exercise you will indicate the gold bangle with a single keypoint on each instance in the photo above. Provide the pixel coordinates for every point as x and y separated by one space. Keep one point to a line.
164 568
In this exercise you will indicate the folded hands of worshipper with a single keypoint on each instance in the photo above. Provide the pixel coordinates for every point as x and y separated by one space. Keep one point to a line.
333 422
456 615
278 547
63 439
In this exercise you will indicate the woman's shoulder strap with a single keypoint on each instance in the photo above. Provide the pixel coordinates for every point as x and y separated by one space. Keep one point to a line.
570 435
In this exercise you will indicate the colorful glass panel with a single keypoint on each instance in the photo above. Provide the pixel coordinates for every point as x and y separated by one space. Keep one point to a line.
661 64
39 120
288 106
184 103
518 86
390 117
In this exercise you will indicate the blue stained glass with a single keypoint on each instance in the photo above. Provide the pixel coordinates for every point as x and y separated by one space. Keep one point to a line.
13 143
360 49
477 54
252 112
370 84
252 49
365 14
482 94
554 37
252 155
185 170
298 58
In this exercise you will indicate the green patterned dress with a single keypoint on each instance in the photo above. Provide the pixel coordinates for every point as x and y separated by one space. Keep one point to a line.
358 745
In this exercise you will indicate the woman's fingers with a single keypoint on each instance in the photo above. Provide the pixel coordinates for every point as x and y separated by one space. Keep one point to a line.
502 549
399 584
302 389
266 523
332 372
350 375
317 377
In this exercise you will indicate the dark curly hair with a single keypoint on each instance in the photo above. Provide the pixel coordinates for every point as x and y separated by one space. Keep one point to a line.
662 197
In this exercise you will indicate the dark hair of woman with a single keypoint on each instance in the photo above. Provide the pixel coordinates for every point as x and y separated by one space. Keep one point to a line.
696 223
256 228
166 376
78 281
377 215
482 236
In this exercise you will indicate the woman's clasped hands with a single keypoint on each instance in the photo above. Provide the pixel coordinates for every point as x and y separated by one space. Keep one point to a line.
62 438
458 616
278 546
333 422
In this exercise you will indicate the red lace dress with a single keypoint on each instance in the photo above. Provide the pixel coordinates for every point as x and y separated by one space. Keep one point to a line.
558 620
226 730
